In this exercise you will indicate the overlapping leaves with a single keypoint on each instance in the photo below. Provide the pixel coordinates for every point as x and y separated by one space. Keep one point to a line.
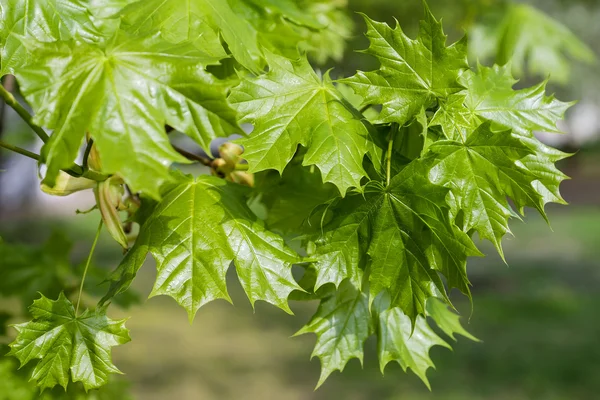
484 163
436 165
292 106
413 73
403 235
245 25
344 321
123 92
194 233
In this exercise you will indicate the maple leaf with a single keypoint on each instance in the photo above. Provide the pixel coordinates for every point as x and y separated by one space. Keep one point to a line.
282 27
407 344
290 199
199 21
291 106
490 95
67 344
482 172
342 323
413 73
194 233
44 20
289 9
406 234
447 320
123 92
456 120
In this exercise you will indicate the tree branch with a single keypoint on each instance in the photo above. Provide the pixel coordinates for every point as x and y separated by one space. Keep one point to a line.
194 157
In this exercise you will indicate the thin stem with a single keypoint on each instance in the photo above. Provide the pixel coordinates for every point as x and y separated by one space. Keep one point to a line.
23 113
75 170
241 167
19 150
87 265
86 154
388 156
194 157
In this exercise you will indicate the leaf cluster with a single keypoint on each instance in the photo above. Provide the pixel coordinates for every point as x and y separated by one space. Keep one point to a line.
382 179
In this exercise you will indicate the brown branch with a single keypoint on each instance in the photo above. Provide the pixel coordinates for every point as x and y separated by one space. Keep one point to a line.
194 157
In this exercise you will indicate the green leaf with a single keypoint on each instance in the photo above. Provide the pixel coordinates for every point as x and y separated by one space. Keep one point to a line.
194 233
44 20
481 173
490 95
447 320
15 385
527 38
456 120
291 198
291 106
404 234
123 92
197 20
67 344
401 341
342 324
536 181
413 73
288 9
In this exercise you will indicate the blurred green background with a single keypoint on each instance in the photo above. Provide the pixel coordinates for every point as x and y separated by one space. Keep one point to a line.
538 317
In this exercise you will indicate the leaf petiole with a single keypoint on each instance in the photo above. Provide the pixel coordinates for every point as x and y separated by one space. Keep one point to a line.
23 113
87 265
388 155
19 150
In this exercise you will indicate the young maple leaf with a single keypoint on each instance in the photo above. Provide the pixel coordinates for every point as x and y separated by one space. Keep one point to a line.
501 163
342 323
404 233
44 20
413 73
481 172
291 106
67 344
490 95
194 233
123 92
408 345
197 21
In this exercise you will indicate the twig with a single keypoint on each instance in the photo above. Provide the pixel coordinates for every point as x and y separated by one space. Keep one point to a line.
87 265
23 113
19 150
194 157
